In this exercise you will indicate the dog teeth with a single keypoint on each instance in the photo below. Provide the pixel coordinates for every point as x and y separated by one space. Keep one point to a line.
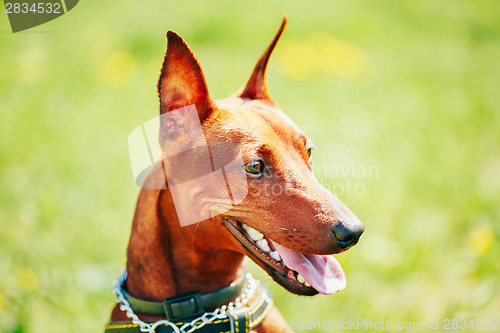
262 244
307 284
301 279
254 234
275 255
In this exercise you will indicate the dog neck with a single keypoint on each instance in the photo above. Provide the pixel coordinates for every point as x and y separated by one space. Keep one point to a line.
166 260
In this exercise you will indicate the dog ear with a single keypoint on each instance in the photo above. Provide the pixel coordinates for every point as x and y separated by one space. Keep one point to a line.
256 87
181 81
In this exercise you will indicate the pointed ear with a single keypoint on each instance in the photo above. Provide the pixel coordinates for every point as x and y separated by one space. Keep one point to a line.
181 81
256 87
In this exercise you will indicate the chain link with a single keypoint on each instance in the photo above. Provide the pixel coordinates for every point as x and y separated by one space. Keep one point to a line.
204 319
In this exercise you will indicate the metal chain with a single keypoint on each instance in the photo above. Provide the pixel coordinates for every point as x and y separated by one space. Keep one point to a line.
195 324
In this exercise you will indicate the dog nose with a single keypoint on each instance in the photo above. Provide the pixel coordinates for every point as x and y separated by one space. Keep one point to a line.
347 235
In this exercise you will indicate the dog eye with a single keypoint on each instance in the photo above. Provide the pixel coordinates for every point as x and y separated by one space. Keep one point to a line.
309 153
255 169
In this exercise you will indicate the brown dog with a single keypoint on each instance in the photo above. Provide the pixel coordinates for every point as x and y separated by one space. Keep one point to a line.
291 235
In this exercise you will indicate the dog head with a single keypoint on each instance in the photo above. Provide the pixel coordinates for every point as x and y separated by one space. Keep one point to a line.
288 223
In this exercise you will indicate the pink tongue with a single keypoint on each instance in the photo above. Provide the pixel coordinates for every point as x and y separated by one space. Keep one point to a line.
324 273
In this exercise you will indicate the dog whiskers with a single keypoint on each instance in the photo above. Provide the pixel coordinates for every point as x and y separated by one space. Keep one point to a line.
286 229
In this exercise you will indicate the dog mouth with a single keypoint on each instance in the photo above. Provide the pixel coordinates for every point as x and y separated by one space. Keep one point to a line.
299 273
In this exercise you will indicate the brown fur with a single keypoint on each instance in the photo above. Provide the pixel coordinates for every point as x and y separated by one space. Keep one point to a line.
165 259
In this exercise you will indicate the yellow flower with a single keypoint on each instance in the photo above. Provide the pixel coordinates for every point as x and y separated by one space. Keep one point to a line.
27 278
481 239
117 68
321 52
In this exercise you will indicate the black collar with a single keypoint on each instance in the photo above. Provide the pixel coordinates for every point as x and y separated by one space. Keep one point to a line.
239 320
188 305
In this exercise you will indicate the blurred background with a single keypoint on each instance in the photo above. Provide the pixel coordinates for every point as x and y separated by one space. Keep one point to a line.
401 99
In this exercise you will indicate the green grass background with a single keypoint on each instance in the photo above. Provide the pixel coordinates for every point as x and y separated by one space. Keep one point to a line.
409 88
